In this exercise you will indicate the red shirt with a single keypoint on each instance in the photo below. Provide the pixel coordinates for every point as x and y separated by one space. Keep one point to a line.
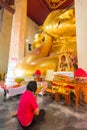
26 108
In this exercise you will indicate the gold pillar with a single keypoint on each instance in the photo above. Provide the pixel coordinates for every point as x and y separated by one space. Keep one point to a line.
16 52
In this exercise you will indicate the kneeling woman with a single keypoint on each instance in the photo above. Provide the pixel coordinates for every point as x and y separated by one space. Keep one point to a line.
28 110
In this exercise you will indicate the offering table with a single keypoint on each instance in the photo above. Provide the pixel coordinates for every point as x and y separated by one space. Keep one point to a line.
19 89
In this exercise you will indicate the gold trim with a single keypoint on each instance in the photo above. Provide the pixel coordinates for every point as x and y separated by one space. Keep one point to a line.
54 4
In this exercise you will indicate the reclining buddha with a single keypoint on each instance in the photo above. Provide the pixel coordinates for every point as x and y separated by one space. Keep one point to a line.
53 45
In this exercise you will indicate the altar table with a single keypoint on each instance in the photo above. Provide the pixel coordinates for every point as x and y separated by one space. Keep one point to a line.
16 89
80 90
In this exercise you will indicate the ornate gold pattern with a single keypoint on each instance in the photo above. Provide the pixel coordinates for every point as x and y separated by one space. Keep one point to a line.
54 4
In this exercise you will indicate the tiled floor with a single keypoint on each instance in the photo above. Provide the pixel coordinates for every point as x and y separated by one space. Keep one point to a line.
58 115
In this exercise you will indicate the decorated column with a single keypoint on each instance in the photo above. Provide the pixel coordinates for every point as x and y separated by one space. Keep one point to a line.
16 52
81 32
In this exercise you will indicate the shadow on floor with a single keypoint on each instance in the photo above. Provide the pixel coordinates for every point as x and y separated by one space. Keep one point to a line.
58 115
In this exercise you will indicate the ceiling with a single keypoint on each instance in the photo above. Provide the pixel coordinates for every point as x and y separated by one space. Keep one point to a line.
37 10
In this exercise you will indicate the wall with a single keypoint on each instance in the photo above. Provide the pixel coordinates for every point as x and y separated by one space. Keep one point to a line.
5 35
32 29
81 32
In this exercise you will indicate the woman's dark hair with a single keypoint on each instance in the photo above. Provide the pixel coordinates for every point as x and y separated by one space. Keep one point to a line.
32 86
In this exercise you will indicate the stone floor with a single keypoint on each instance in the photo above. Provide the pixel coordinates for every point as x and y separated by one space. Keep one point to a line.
58 115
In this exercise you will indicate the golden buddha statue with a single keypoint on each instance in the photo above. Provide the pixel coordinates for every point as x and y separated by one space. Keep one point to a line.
57 35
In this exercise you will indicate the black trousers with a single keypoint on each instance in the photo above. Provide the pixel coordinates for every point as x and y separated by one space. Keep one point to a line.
36 120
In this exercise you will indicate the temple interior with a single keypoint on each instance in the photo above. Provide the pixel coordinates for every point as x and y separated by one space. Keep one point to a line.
44 41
